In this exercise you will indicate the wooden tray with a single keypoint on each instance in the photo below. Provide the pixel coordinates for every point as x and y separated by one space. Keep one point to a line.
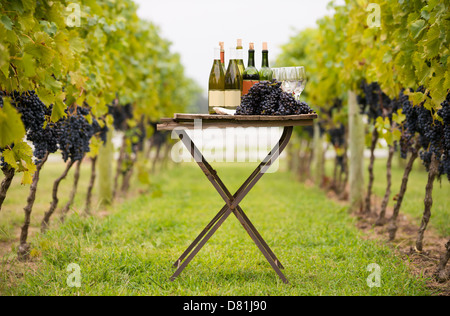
187 121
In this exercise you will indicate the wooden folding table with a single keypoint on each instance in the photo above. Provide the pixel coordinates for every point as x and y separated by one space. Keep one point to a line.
182 122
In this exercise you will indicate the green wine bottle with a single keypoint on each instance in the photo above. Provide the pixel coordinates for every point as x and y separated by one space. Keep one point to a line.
251 74
216 88
265 73
233 80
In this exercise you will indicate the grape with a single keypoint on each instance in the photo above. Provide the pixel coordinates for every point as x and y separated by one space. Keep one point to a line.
101 132
374 102
74 134
433 134
444 113
337 135
267 98
31 108
33 113
71 134
120 115
337 138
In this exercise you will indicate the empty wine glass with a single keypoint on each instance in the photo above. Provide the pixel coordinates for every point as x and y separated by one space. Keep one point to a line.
276 73
289 79
301 82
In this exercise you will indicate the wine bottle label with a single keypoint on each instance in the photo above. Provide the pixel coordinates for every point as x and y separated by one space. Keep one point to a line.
247 84
216 98
232 98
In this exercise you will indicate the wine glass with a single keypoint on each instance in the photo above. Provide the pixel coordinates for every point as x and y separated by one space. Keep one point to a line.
276 73
289 79
301 82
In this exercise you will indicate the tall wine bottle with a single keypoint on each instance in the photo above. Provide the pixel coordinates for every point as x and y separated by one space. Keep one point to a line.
233 83
251 74
216 88
265 73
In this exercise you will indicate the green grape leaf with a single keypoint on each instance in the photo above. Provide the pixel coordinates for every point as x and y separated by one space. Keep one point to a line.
23 150
388 137
399 117
58 110
27 178
431 41
417 97
437 91
416 28
10 158
6 21
49 27
27 22
28 4
20 158
28 65
397 134
46 96
11 126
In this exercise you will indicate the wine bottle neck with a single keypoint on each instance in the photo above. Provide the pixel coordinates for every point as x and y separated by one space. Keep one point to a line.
217 54
251 58
239 53
265 58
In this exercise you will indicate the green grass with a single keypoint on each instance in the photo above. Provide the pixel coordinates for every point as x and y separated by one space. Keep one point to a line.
413 201
131 251
12 215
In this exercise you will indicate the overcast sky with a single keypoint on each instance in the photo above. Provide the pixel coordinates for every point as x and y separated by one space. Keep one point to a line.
195 27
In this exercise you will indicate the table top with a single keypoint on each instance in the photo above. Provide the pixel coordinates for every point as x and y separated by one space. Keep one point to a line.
188 121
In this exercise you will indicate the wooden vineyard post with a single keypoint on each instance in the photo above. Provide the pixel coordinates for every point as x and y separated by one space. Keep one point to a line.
318 162
105 159
356 160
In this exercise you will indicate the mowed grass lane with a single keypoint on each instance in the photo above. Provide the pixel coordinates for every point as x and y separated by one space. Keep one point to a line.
131 251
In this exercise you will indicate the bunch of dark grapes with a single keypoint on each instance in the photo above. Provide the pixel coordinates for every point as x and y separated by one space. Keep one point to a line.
374 102
337 138
121 114
1 99
391 108
101 132
409 125
337 135
34 115
75 133
267 98
444 113
408 110
45 139
31 108
433 134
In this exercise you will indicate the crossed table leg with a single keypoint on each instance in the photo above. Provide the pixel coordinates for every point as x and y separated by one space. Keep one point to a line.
232 203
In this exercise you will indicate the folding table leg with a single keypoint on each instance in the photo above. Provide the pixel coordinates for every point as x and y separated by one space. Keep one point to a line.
232 203
211 174
200 236
246 223
201 244
250 182
259 237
